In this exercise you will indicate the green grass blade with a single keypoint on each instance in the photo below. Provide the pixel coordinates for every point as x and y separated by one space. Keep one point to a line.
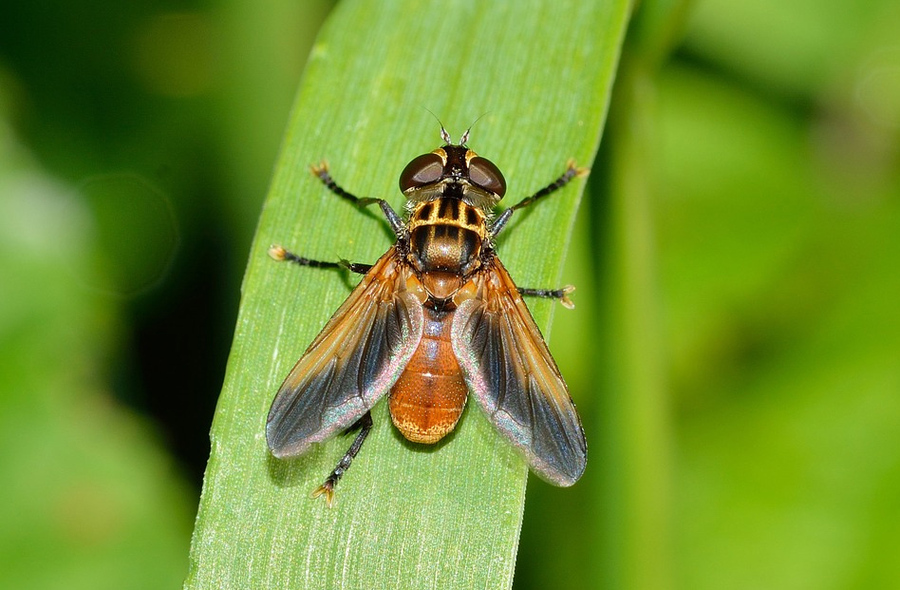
406 516
635 446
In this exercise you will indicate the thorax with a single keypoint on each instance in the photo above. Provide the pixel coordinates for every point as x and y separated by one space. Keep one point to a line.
445 243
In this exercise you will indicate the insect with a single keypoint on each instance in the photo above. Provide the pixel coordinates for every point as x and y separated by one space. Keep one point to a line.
435 318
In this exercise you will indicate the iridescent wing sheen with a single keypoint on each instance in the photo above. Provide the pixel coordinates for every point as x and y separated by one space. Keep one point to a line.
509 370
352 363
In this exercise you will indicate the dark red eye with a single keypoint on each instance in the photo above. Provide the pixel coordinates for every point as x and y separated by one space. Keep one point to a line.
423 170
485 174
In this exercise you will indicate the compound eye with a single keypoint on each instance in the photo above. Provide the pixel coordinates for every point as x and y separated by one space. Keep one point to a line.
424 169
485 174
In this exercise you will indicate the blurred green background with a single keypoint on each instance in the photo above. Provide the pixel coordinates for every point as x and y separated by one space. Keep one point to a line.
136 142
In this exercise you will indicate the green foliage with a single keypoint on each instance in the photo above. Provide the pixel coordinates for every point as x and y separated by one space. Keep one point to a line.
88 495
733 352
406 515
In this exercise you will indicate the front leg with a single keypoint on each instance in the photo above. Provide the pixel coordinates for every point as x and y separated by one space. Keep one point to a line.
321 172
572 172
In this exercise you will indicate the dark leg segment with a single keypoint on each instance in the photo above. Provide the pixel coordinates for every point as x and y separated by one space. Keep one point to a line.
327 489
321 172
572 171
562 295
281 255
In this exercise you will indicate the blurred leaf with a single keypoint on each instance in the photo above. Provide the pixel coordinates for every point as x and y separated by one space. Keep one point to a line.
798 49
785 333
89 499
406 515
633 491
263 51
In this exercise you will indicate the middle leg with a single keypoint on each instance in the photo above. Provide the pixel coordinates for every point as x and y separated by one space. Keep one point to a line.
561 295
278 253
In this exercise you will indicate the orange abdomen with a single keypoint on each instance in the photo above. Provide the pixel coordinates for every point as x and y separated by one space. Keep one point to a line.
428 398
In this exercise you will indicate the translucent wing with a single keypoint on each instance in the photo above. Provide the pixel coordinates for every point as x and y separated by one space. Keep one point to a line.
352 363
509 370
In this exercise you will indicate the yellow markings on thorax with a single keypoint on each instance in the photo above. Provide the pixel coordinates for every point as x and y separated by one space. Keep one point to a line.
449 211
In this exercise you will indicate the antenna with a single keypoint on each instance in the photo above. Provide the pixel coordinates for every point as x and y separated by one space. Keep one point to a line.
444 135
465 136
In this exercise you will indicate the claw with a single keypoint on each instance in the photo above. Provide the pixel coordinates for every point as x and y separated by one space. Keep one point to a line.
564 300
327 490
577 170
319 170
278 253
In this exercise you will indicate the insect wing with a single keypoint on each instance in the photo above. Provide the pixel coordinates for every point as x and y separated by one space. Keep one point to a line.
515 380
352 363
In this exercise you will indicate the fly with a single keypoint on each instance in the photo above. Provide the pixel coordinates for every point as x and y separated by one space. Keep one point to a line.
436 318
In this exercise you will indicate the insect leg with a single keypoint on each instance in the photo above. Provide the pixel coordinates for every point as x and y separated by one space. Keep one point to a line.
321 172
327 488
280 254
572 171
562 295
